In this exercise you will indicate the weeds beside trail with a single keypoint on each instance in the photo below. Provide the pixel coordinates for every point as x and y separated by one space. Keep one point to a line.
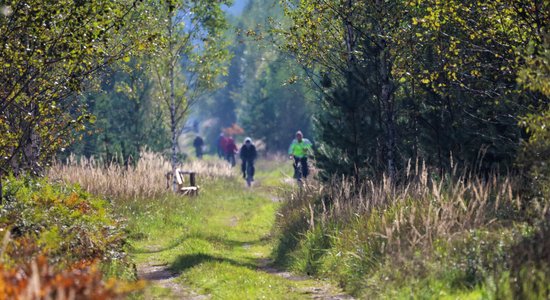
457 237
145 180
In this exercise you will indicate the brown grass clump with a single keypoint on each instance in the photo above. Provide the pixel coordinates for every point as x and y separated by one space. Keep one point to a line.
38 280
146 179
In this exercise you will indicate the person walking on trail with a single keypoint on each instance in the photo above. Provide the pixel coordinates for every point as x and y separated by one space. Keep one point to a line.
198 143
230 150
248 156
222 143
298 150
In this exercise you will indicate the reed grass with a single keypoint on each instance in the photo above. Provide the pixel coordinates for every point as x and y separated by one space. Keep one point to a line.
418 211
144 180
459 224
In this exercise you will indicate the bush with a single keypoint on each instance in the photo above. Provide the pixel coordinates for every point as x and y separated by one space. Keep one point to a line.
82 280
529 274
62 221
60 230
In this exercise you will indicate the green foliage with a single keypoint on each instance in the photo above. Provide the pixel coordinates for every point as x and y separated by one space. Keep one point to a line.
470 54
219 109
265 92
145 100
529 267
50 50
189 59
353 64
533 159
535 152
350 130
535 74
63 223
430 79
270 108
312 247
128 120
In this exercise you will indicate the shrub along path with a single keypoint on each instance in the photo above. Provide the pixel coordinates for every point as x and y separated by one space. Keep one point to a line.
217 245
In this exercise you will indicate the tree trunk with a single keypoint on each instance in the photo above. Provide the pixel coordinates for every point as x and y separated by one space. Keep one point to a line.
173 117
352 61
350 35
386 98
1 187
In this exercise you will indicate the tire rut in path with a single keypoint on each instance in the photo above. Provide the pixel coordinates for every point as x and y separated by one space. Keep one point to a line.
160 275
323 291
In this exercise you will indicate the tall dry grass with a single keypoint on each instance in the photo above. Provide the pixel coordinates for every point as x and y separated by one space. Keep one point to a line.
146 179
415 213
379 239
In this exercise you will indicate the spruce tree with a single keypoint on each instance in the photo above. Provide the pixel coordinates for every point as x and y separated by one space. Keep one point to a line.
349 128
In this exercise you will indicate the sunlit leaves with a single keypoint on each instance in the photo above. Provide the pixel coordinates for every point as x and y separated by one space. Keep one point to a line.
535 74
454 64
48 51
472 42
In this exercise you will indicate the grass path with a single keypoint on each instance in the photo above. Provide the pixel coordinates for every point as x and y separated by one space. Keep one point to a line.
215 246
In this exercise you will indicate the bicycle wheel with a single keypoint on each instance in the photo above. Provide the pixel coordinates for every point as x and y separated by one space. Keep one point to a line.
249 175
298 171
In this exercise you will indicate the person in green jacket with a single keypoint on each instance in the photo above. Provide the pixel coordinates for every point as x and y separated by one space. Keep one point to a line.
299 150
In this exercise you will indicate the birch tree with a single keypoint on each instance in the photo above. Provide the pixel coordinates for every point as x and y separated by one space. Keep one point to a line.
49 51
192 54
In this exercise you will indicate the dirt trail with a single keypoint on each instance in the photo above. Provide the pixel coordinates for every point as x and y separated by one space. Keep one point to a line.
160 275
323 291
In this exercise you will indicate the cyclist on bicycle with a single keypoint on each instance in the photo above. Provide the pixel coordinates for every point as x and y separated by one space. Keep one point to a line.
248 156
299 149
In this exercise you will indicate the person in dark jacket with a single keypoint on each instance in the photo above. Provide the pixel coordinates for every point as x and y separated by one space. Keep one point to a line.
198 143
248 156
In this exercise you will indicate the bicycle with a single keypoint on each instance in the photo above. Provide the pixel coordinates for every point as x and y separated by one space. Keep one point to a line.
249 176
298 169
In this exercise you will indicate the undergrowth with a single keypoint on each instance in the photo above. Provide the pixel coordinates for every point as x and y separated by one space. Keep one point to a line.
459 236
59 240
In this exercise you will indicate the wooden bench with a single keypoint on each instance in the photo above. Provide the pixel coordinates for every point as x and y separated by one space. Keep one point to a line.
192 189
